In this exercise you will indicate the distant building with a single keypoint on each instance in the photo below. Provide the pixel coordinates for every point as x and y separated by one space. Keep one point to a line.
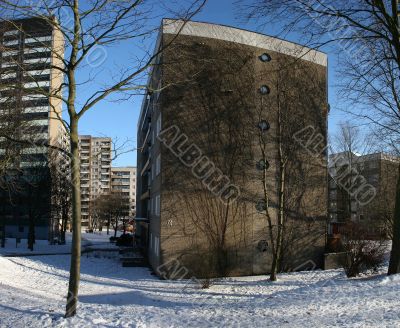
362 190
123 181
95 165
29 51
221 92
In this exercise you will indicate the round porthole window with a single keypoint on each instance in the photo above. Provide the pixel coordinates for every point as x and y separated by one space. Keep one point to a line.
264 90
263 125
262 165
261 206
262 246
265 57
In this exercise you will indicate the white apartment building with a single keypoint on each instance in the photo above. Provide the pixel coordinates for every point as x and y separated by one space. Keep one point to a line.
95 164
123 180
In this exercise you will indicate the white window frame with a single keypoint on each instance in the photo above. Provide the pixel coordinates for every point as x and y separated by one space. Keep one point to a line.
8 75
10 53
43 60
12 32
151 240
158 205
37 72
158 165
158 125
36 50
156 245
38 84
9 64
33 97
38 39
11 42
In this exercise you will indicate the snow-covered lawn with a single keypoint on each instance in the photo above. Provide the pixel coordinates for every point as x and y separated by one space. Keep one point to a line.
94 240
32 291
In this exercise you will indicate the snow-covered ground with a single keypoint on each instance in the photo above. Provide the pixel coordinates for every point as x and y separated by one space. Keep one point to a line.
33 289
94 240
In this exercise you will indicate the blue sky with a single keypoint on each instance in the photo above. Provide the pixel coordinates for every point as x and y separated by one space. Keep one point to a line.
119 119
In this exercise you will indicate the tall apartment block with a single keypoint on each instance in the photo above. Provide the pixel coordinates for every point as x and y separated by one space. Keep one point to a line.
123 181
220 101
362 191
30 51
95 164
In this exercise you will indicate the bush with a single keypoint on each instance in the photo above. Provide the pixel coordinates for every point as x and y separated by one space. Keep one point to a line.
362 254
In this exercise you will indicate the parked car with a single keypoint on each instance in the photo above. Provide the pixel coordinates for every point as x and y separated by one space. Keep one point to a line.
125 239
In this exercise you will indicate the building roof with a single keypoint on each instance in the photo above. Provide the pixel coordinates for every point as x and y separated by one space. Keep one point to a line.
233 34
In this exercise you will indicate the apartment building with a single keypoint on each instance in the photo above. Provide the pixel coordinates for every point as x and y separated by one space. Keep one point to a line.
95 165
202 133
123 181
30 51
362 190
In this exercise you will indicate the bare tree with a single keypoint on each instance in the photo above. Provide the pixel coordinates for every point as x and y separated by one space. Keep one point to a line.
61 191
84 28
112 208
366 35
298 195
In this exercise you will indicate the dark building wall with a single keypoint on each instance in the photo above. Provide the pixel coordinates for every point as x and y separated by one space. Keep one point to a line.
212 95
26 55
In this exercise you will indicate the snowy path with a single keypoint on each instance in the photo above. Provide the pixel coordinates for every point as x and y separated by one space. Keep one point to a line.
32 294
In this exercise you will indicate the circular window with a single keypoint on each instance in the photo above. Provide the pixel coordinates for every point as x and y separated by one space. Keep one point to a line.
263 125
265 57
264 90
261 206
262 165
262 246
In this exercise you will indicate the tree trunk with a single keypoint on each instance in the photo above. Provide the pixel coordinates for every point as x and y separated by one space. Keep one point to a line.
31 234
63 229
74 276
279 238
394 264
116 228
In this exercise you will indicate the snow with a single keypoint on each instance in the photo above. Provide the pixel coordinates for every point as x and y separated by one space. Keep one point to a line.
33 289
89 240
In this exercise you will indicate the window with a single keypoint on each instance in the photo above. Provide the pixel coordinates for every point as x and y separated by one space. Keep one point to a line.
152 171
151 240
262 165
11 42
157 246
261 206
158 165
12 32
263 125
157 205
37 60
38 39
158 127
264 90
265 57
